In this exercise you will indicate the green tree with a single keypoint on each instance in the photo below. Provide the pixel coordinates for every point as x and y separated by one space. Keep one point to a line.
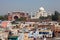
43 18
21 19
55 16
5 17
1 18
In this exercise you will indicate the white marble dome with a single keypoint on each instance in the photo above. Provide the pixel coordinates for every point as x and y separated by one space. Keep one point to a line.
41 8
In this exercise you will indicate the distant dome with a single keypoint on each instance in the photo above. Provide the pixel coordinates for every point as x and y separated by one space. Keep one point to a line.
41 8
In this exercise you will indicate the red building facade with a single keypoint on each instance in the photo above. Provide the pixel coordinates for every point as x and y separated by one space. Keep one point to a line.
16 15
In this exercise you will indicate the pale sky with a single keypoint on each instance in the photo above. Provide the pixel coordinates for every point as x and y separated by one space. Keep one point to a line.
28 5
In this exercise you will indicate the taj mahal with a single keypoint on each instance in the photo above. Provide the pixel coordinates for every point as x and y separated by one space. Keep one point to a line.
39 13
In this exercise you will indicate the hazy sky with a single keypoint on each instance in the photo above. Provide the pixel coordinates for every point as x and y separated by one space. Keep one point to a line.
28 5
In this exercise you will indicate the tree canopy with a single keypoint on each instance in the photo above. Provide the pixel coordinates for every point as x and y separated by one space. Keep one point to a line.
5 17
56 15
21 19
1 18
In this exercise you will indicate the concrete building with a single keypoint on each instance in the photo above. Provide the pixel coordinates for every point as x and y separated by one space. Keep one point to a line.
4 35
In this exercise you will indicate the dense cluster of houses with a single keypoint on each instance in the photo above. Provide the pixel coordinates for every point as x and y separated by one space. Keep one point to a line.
19 30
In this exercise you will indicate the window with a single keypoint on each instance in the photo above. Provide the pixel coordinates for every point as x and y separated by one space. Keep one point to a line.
43 32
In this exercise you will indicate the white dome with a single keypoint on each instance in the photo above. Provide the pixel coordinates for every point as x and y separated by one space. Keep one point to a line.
41 8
